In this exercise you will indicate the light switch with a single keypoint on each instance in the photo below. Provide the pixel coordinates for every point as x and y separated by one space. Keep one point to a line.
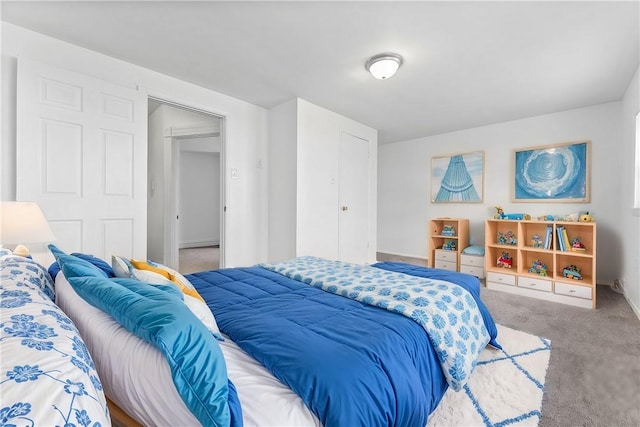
234 173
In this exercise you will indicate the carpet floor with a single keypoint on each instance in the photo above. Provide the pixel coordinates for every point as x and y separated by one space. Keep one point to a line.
593 377
192 260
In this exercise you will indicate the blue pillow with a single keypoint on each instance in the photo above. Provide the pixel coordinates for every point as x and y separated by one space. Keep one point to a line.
474 250
102 265
75 267
158 317
55 251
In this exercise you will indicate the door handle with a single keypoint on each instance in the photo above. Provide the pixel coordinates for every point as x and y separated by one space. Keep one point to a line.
345 208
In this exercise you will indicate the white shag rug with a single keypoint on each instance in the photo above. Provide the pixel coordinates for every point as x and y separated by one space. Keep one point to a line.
505 388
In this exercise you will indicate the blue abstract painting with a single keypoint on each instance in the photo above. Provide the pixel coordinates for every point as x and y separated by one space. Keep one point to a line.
457 178
555 173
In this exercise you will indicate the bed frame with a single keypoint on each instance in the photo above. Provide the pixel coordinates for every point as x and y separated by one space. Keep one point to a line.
119 418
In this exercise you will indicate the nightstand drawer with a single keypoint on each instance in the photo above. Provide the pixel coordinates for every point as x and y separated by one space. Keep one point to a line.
505 279
534 283
477 261
573 290
442 255
446 265
472 270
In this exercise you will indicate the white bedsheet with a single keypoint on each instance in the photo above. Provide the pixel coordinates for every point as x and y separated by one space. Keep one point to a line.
136 376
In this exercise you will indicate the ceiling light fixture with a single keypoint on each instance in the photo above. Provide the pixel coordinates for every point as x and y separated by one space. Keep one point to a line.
384 65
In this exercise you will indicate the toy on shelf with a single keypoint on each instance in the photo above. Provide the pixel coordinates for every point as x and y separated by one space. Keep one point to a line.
448 230
505 260
538 267
501 215
577 245
507 238
585 217
572 272
449 245
536 241
570 218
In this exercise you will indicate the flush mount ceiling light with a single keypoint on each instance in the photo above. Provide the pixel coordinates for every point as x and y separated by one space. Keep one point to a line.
384 65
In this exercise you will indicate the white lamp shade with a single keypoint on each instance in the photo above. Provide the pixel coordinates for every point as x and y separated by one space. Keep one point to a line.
23 222
383 66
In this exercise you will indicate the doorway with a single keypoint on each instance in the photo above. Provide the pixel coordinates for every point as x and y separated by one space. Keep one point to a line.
185 200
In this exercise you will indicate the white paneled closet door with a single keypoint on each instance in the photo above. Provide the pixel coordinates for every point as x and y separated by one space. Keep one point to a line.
82 155
354 220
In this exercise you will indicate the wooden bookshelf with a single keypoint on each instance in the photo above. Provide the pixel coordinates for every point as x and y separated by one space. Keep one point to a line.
439 239
551 284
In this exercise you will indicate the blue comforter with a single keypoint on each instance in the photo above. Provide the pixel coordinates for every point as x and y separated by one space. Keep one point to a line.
352 364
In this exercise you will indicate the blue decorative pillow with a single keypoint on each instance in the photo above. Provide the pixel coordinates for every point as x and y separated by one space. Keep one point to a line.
102 265
55 251
97 262
158 317
75 267
474 250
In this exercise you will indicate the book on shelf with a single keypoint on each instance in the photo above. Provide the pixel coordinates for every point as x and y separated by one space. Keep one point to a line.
548 237
560 237
565 239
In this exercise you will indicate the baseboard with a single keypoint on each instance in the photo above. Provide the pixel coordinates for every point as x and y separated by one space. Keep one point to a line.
198 244
633 306
383 256
622 290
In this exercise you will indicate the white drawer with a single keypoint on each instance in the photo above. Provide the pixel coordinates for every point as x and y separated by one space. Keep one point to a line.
443 255
534 283
446 265
505 279
474 260
472 270
573 290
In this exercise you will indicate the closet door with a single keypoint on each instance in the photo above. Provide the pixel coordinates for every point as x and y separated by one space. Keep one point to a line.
82 155
354 215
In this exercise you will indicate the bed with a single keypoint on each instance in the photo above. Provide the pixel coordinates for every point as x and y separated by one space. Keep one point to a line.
305 342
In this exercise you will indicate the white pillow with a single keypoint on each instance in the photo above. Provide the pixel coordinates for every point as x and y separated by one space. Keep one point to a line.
121 266
197 307
202 312
150 277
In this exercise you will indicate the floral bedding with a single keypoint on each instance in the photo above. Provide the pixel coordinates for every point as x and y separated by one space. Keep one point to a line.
47 376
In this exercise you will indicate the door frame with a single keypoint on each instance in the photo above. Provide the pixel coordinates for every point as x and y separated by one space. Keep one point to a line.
171 205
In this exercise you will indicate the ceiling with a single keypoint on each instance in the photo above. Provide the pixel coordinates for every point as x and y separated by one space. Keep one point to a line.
466 64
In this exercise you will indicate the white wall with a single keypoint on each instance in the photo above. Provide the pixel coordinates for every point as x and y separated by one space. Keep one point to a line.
199 206
404 205
246 130
630 218
283 129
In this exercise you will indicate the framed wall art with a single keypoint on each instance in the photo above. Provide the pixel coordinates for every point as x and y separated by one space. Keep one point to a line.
457 178
554 173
